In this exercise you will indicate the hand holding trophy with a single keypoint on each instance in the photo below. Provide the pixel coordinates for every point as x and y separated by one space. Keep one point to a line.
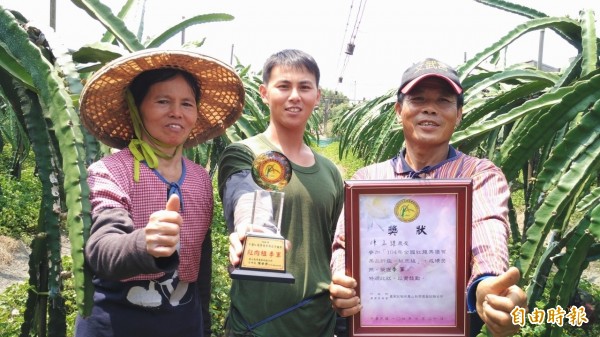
263 257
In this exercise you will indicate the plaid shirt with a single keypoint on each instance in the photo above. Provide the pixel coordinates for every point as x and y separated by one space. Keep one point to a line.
490 229
112 186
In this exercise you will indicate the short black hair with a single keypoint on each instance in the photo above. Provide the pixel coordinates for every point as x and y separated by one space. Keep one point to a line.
291 58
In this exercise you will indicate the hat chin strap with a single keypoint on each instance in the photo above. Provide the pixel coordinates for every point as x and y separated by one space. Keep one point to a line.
142 150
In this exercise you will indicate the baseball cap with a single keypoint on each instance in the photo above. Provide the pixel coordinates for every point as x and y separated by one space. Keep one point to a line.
429 68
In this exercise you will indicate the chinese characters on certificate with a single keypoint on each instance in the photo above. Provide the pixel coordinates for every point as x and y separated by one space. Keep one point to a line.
408 248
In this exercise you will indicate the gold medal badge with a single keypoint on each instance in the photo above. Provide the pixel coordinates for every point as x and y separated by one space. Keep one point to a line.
271 170
406 210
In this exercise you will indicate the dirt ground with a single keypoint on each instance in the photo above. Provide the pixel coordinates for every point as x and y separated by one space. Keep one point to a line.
14 256
592 273
14 260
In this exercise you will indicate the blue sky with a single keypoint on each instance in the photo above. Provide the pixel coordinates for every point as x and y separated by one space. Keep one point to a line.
390 35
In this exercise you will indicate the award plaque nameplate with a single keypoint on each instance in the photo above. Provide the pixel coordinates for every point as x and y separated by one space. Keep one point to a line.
263 256
408 245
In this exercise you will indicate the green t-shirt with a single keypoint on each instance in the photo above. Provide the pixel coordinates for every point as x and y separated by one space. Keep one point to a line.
313 203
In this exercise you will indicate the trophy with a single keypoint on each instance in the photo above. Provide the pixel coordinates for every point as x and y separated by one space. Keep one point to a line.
263 256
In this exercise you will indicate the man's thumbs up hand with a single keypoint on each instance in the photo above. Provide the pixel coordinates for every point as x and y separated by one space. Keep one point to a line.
499 284
162 230
496 297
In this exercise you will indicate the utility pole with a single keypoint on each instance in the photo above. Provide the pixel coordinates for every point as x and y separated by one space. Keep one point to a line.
533 162
541 50
53 14
183 32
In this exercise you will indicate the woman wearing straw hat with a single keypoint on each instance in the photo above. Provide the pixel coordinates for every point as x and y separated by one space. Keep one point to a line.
152 207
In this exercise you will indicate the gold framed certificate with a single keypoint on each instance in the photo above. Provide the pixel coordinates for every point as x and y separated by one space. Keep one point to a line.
408 245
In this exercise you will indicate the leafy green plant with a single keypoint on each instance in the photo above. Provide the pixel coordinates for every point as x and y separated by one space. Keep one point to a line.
19 199
221 282
348 165
12 304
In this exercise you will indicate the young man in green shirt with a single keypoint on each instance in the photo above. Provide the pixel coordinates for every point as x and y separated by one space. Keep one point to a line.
313 203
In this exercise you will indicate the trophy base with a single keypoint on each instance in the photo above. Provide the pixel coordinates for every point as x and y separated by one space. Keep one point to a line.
265 276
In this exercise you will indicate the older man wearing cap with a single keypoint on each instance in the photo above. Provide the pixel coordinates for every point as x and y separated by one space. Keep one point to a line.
429 107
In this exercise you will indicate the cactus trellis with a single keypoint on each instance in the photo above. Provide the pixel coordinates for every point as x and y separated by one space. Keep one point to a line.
61 122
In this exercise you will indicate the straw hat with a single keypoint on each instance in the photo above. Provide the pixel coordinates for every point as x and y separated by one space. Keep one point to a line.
103 108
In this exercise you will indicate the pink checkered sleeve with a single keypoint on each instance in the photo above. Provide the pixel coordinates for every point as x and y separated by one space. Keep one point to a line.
104 191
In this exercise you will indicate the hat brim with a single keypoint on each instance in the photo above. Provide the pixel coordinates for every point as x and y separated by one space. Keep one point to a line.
410 85
103 108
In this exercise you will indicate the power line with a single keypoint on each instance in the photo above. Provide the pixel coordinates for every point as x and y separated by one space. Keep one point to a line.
351 44
361 10
345 32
